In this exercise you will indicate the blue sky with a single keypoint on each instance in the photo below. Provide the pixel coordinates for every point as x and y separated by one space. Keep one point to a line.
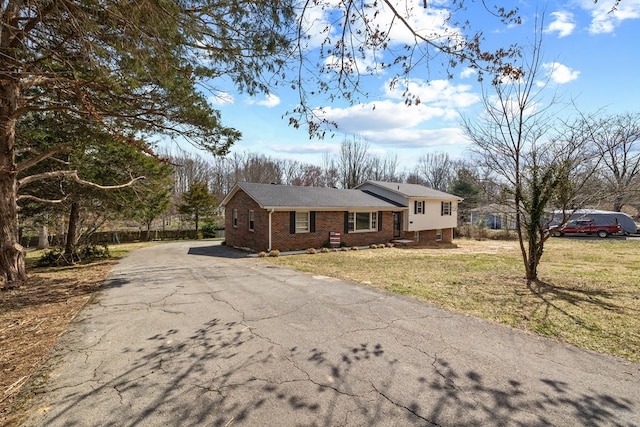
593 56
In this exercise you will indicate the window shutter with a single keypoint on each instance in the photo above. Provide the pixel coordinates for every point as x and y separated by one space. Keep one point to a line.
312 221
346 222
292 222
415 206
424 207
379 220
441 208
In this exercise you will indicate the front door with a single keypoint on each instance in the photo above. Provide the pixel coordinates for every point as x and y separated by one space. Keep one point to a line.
397 224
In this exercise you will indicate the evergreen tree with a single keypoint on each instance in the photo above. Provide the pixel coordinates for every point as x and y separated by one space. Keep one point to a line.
197 202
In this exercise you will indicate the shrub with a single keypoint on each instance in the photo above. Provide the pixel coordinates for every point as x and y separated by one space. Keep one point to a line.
90 253
389 245
324 250
354 248
274 253
373 246
311 251
208 230
262 254
85 254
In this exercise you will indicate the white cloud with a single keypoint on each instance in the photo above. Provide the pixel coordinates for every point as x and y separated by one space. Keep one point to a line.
467 72
269 101
439 93
562 24
420 138
393 124
559 73
221 98
606 15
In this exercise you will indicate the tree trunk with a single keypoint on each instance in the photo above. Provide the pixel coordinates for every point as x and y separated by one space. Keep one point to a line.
72 233
12 267
617 204
197 216
43 237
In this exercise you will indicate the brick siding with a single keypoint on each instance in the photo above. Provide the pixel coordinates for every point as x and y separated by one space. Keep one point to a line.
428 236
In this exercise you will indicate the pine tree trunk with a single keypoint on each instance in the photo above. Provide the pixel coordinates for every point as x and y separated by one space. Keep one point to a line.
72 233
12 267
197 220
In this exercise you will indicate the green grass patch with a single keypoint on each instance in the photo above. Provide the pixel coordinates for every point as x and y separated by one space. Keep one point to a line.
589 295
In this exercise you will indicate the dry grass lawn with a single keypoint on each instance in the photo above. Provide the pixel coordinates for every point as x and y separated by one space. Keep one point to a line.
590 294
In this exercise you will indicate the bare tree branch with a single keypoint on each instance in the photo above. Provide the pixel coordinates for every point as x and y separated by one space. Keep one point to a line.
74 176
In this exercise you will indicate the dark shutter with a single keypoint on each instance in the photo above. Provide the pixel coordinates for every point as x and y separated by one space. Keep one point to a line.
424 208
346 222
312 221
380 221
415 206
292 222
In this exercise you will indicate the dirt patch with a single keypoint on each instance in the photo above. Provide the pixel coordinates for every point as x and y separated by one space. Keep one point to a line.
33 317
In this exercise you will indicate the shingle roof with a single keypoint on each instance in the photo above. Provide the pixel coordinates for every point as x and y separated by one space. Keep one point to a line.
411 190
288 196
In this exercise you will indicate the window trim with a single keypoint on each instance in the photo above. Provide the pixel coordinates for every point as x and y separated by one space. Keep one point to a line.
446 211
420 207
307 229
252 222
352 221
234 218
439 234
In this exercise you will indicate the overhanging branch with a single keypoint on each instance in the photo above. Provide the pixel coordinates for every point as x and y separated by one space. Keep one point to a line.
41 200
74 176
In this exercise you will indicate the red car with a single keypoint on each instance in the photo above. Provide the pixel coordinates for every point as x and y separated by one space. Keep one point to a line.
586 226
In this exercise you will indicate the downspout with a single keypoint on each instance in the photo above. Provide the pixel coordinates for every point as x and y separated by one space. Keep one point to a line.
270 212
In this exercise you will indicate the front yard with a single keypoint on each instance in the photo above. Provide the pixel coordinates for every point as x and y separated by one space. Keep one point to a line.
590 296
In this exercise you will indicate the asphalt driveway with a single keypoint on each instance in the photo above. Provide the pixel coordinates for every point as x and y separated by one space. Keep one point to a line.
190 334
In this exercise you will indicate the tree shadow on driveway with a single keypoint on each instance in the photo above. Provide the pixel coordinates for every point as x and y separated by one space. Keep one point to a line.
224 374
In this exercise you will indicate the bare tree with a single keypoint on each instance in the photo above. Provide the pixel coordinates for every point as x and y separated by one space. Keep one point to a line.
354 162
539 168
330 171
618 137
436 170
258 168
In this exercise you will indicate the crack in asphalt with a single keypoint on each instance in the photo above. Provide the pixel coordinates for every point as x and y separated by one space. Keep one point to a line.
406 408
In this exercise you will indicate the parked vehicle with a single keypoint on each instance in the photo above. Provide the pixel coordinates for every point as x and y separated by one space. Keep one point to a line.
586 226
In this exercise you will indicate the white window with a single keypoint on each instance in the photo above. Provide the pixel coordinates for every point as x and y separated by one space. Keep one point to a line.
363 221
251 221
439 235
302 222
419 207
235 218
445 208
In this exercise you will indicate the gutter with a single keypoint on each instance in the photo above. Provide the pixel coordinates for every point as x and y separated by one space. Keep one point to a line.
270 212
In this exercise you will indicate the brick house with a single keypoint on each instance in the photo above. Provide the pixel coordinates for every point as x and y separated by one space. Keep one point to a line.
261 217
